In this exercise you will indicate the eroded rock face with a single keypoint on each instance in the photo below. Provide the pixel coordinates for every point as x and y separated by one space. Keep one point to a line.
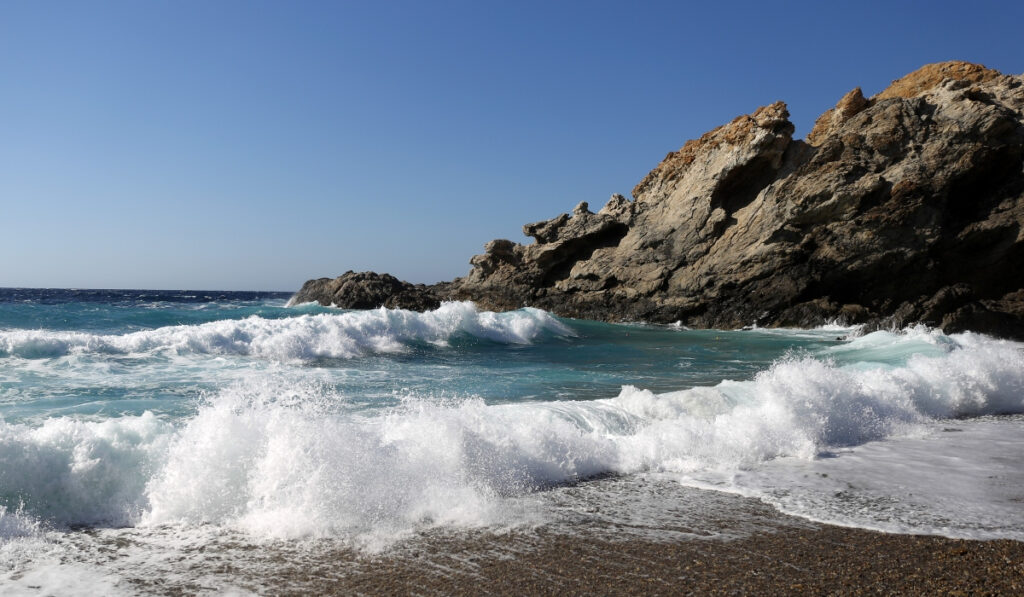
904 207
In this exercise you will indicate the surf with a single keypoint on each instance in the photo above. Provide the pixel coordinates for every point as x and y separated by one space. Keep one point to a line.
304 337
277 455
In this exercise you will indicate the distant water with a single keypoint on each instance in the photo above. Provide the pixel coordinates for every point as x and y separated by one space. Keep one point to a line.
140 421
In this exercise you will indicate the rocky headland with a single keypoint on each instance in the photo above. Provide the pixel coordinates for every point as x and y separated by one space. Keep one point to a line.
904 207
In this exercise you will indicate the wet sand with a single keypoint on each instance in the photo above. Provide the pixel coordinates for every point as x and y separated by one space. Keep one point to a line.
822 561
611 536
773 554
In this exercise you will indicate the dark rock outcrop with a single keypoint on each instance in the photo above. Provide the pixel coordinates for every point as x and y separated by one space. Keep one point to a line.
904 207
366 290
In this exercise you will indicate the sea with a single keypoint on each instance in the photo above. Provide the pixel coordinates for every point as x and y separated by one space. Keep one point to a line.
191 441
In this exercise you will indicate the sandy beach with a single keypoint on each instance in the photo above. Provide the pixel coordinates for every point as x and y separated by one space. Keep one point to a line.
825 560
768 554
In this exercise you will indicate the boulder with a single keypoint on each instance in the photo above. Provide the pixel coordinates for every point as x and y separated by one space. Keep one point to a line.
366 290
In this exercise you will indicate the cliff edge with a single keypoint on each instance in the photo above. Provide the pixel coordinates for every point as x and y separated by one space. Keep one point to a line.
900 208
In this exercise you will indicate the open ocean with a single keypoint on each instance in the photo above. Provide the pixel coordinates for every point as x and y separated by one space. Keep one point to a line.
170 440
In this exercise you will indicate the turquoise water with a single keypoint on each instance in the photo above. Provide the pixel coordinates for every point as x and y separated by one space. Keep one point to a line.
66 353
160 415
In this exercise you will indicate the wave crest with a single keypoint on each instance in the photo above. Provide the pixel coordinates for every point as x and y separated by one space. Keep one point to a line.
276 456
306 337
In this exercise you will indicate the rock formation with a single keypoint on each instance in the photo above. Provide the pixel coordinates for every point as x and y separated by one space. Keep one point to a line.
904 207
366 290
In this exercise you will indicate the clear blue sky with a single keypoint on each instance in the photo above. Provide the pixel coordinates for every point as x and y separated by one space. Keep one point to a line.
253 145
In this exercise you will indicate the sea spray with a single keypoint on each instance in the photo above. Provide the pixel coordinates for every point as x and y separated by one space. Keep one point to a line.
73 472
366 427
281 458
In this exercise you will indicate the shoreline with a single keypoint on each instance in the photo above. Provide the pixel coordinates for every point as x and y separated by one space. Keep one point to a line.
701 542
329 506
825 560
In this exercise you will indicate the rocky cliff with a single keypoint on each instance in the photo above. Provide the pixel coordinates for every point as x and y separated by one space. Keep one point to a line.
904 207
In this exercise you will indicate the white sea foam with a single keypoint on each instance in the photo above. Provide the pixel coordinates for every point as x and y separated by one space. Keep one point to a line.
954 478
277 458
343 335
39 565
17 525
68 471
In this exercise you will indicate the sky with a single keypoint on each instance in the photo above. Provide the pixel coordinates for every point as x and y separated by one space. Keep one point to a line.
253 145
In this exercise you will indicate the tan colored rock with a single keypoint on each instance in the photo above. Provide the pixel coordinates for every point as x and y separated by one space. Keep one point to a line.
850 104
929 76
905 207
743 131
890 201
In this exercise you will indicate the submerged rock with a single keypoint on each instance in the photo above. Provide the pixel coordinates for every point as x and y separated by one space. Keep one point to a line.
900 208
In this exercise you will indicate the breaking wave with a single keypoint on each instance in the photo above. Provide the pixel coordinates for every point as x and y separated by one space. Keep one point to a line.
275 457
341 336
